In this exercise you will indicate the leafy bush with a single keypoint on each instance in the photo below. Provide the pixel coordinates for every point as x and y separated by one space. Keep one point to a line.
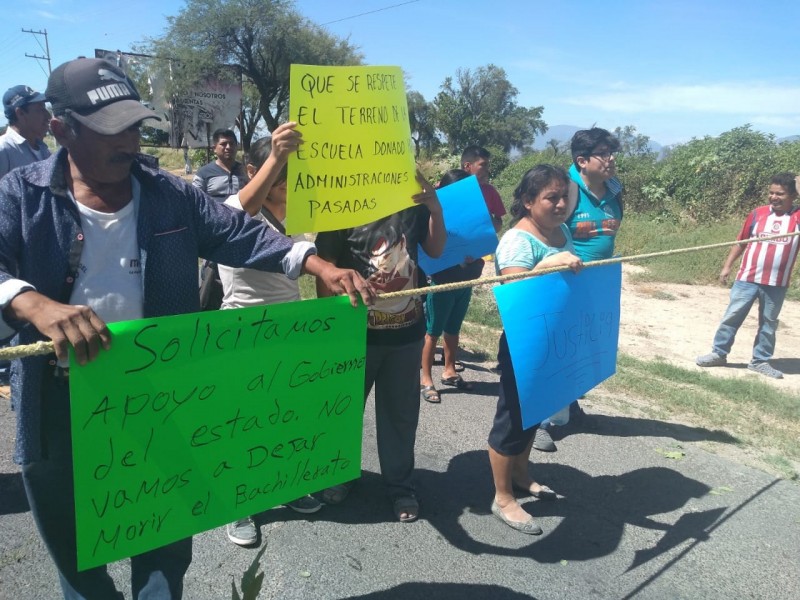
787 157
714 178
509 179
636 172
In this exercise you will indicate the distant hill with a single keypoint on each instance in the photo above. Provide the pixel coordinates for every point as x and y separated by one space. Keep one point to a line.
564 133
790 138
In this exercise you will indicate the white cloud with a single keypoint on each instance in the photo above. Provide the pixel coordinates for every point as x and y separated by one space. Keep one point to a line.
788 122
739 98
54 17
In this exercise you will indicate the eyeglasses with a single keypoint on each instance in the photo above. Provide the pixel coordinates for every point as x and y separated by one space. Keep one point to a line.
605 156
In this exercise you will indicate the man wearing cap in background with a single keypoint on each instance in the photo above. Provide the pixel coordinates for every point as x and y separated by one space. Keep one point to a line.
28 121
93 235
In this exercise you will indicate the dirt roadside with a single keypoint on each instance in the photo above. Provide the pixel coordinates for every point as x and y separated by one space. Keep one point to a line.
677 323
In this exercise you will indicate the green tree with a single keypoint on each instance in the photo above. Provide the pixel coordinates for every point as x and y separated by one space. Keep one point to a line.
260 37
631 142
423 128
481 107
250 118
787 157
510 177
636 171
555 146
715 178
499 162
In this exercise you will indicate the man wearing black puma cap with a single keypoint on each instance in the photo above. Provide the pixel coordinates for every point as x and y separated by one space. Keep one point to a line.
93 235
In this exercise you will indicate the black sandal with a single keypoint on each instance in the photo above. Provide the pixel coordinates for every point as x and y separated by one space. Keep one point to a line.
457 382
429 394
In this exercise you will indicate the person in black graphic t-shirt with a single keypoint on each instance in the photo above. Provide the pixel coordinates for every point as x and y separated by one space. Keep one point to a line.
385 254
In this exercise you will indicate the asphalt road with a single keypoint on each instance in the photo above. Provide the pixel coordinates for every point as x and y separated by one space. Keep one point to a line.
632 523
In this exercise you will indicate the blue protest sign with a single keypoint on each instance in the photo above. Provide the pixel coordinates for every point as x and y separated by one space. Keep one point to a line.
562 332
470 232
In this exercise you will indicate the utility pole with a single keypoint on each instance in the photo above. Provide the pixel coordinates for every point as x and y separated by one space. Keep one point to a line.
46 48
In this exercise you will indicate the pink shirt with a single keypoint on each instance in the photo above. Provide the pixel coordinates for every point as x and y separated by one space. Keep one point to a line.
770 262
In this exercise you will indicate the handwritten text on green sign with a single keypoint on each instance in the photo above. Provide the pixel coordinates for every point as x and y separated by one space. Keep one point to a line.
193 421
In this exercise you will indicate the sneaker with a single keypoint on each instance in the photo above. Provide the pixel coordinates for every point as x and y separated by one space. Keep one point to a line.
242 532
712 359
765 369
542 441
305 505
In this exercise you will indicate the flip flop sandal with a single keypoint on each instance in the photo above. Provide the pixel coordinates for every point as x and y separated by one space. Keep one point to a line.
459 366
406 509
429 394
457 382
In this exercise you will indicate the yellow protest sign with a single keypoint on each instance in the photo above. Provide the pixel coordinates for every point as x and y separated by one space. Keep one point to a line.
357 162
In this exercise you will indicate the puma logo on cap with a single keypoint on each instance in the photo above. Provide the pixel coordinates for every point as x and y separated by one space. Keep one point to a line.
106 74
111 91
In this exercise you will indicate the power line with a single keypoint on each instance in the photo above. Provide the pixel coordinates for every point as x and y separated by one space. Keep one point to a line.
377 10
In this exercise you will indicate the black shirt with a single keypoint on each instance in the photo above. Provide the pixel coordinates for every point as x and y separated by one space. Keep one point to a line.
385 253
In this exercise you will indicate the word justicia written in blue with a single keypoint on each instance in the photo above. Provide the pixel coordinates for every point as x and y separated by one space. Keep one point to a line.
156 344
569 336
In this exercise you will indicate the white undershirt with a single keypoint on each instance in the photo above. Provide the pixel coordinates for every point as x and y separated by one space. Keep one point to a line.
109 278
249 287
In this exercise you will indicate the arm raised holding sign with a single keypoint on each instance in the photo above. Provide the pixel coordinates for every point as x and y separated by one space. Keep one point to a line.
284 140
437 234
264 198
385 254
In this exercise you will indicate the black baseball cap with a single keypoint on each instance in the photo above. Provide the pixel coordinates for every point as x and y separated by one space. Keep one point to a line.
19 96
98 94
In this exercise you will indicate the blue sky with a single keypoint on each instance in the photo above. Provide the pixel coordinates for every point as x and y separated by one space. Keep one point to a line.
675 69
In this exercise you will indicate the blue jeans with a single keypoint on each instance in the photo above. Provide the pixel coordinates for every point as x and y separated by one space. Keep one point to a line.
743 295
155 575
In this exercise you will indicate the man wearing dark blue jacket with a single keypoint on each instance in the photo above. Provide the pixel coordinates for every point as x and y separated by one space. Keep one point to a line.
93 235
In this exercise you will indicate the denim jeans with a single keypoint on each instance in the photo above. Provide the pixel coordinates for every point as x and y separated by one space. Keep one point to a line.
155 575
743 295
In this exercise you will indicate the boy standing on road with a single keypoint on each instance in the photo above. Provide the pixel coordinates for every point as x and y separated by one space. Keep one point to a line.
264 199
475 160
385 253
598 212
763 275
596 194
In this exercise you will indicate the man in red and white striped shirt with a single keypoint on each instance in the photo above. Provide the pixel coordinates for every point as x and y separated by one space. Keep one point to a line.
763 275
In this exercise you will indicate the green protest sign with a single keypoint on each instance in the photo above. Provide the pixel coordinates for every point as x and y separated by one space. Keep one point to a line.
193 421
